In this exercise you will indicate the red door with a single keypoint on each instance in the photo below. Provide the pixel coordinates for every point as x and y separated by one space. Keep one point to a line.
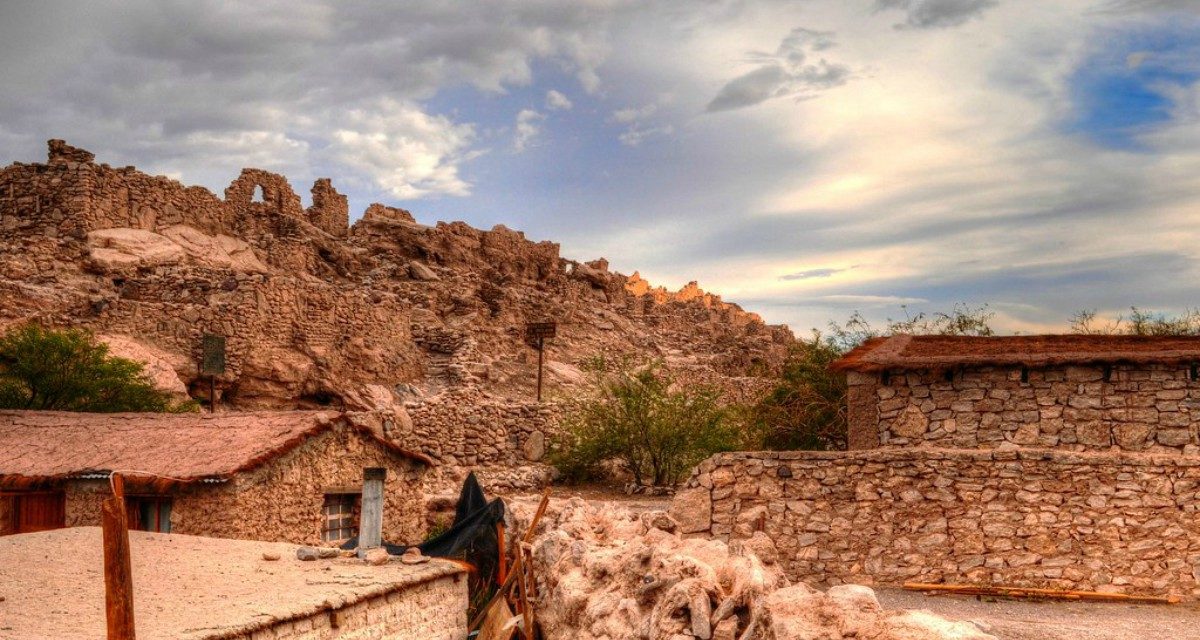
40 511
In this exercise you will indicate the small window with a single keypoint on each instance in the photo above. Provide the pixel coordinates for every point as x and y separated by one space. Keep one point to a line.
339 517
149 513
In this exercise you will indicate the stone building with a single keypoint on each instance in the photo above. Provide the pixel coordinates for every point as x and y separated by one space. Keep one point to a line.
282 476
1071 392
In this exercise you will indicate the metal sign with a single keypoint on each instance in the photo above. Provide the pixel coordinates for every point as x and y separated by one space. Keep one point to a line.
541 330
212 362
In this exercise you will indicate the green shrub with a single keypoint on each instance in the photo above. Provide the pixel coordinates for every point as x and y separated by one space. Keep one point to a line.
636 416
68 370
807 407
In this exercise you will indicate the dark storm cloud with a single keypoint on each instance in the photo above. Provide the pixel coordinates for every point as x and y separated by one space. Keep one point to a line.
929 14
789 71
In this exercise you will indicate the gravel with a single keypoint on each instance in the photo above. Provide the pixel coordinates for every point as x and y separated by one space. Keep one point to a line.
1010 619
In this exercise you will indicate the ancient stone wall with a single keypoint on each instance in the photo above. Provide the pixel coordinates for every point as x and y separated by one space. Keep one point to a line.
504 441
1153 408
1038 518
281 501
287 337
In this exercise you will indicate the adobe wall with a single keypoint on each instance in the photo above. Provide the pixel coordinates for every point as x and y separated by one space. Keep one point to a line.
431 610
281 501
1151 408
1127 523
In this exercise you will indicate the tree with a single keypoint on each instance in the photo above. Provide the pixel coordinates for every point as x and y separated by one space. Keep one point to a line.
636 416
69 370
807 408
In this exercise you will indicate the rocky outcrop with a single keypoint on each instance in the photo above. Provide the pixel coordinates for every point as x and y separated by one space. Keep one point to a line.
606 573
315 311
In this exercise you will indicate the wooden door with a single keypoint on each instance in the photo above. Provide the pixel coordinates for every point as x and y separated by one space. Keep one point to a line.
40 511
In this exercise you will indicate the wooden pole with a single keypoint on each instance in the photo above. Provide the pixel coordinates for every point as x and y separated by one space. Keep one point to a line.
1030 592
118 569
541 346
512 575
370 533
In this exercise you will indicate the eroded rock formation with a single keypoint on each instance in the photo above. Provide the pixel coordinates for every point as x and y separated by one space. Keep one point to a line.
314 310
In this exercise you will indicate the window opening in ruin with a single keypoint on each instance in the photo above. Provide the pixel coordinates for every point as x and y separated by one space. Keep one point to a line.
149 513
1194 371
949 375
885 378
1108 373
259 195
339 517
1024 374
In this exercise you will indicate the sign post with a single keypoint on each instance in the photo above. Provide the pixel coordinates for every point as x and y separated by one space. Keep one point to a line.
537 333
212 364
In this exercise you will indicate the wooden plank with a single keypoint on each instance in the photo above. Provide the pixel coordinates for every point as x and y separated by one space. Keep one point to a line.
1030 592
523 595
370 530
118 570
497 622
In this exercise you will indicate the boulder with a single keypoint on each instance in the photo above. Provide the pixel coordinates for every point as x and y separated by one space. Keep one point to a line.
692 509
114 250
160 366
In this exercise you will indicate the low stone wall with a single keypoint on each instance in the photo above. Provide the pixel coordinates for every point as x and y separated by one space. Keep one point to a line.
1037 518
432 610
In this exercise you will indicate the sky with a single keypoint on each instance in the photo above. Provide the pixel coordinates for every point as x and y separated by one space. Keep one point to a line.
806 159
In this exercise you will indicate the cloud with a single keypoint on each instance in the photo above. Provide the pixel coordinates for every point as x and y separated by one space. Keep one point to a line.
404 150
930 14
556 101
157 82
1134 6
823 272
633 114
870 300
636 135
789 71
526 129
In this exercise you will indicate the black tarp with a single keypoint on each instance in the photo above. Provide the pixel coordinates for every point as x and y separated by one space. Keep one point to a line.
472 537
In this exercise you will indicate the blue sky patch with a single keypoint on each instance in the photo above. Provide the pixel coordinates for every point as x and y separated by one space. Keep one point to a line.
1124 88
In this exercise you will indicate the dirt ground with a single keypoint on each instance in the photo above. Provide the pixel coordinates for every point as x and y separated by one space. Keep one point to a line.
1010 619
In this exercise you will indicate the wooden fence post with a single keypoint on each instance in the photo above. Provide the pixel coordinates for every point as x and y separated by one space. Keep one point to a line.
118 569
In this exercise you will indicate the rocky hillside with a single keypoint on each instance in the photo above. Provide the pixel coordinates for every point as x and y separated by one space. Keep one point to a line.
315 310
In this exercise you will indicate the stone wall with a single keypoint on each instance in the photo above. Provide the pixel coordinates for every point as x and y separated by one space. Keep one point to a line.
504 441
431 610
281 501
1126 523
1150 408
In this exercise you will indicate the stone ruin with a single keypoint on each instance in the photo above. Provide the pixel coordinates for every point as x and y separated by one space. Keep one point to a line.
385 314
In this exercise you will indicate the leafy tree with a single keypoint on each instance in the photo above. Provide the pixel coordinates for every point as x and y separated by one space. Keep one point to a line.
69 370
807 409
1139 323
639 418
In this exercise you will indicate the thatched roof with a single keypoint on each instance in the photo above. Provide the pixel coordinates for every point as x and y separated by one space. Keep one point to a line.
940 352
39 446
